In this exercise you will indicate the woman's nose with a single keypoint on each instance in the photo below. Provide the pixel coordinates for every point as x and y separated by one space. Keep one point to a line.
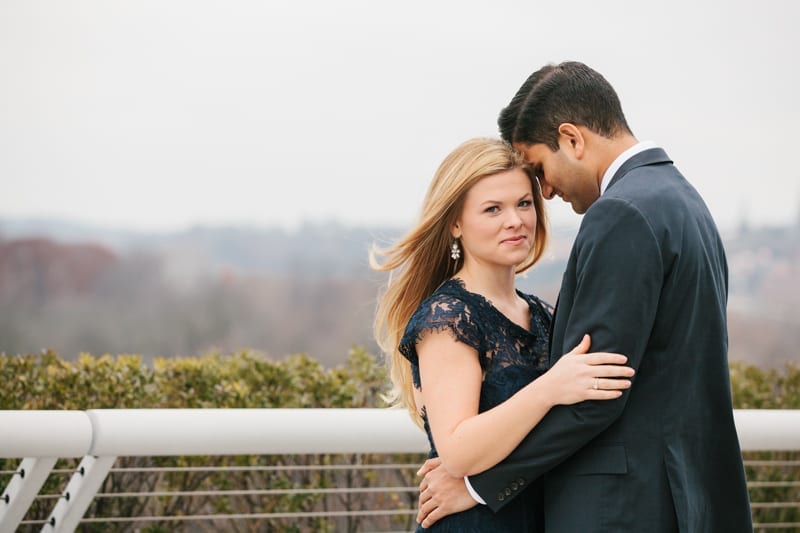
513 219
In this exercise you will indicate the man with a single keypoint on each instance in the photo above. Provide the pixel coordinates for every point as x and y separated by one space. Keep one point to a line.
647 277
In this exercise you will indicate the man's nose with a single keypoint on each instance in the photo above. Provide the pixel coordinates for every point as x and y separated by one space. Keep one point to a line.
547 191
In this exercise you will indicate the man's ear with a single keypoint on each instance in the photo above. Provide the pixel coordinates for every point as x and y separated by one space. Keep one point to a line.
569 135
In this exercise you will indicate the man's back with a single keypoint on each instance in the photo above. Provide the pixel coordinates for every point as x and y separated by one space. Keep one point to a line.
671 459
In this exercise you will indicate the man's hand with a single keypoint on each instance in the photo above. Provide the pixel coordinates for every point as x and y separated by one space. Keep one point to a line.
440 494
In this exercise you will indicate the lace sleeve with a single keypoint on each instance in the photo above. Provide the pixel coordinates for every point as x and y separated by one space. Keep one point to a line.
440 313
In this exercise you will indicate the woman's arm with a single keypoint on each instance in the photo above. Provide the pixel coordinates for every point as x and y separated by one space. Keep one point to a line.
469 442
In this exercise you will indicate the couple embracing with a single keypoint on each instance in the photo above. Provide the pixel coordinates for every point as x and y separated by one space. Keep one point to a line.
611 410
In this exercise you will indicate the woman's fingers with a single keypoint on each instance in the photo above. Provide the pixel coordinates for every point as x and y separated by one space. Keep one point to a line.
611 371
604 395
583 346
611 384
605 358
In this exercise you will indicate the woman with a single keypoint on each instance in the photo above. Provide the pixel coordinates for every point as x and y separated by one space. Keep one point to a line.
468 351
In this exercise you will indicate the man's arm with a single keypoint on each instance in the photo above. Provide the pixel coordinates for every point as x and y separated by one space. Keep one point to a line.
617 282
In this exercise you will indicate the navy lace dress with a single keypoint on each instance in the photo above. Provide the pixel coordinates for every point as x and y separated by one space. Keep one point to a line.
511 357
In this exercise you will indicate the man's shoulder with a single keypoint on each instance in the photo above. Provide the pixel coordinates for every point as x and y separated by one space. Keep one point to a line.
614 224
658 189
654 201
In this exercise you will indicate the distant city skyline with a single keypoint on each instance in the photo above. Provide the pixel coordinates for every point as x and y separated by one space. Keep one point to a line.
160 116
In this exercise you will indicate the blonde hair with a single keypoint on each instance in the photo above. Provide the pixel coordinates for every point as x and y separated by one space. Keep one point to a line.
420 261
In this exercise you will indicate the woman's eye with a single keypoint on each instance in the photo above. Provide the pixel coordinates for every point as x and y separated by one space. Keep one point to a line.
526 203
492 209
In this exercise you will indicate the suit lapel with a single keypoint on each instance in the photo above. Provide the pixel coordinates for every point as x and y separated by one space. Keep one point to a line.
550 333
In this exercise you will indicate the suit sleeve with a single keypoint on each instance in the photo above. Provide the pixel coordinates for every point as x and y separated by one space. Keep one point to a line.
617 282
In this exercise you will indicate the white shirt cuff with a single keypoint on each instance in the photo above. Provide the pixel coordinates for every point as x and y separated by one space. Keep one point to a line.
475 495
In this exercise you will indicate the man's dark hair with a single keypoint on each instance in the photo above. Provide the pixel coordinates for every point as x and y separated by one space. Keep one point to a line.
555 94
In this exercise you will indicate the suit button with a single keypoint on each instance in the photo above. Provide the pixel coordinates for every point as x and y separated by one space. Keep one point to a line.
520 481
508 491
500 496
514 485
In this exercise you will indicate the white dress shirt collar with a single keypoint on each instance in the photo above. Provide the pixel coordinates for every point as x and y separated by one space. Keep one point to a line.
621 158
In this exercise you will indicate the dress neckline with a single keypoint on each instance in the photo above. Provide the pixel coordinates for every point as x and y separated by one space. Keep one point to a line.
458 282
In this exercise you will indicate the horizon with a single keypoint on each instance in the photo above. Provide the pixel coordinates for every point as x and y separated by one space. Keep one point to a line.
166 115
57 228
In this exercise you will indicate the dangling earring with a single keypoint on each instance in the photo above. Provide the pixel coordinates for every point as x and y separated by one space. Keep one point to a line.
455 251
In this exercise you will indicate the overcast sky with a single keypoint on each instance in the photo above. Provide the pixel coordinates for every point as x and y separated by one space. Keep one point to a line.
162 114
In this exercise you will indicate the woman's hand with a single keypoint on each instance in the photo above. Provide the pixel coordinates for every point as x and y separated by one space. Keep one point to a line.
579 375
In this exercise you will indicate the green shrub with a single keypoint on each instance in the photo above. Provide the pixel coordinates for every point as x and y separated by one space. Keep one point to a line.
252 380
754 388
241 380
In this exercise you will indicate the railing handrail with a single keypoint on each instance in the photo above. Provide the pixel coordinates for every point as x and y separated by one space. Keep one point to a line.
99 436
171 432
768 429
165 432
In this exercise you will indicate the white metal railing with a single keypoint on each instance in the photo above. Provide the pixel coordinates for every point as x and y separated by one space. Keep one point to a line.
99 436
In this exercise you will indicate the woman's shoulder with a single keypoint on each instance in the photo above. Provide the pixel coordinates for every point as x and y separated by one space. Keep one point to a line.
449 299
449 309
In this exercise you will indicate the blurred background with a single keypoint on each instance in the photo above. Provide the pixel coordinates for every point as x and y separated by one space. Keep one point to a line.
179 177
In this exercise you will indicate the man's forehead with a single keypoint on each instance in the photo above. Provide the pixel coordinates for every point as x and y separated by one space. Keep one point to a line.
533 152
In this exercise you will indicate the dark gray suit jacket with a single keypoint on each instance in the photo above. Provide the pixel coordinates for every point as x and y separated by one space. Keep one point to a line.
647 277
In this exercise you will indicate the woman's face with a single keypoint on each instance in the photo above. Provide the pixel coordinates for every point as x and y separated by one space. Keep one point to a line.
497 225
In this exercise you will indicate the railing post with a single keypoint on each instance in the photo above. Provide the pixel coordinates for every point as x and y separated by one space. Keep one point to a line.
22 489
78 495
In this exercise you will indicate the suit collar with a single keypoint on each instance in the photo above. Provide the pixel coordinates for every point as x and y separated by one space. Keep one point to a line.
651 156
